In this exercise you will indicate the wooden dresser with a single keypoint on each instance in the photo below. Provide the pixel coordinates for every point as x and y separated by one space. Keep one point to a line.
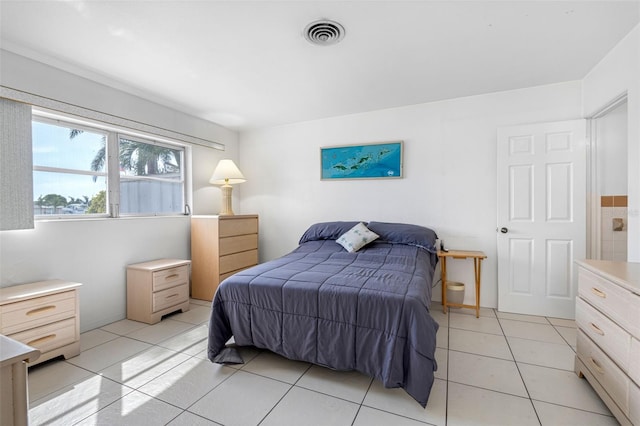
608 319
220 247
44 315
157 288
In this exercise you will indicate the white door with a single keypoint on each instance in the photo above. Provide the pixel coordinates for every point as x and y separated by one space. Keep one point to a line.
541 216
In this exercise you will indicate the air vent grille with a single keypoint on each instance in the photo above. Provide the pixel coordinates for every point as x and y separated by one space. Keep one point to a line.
324 32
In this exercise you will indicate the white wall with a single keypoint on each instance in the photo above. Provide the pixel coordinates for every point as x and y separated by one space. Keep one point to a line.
619 72
612 152
449 179
95 252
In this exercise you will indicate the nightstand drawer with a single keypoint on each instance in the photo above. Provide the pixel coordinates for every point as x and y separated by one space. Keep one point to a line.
634 362
237 261
238 226
604 332
238 244
605 371
31 313
605 296
168 278
49 337
170 297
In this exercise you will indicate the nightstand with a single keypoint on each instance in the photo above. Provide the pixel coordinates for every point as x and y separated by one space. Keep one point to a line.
477 257
157 288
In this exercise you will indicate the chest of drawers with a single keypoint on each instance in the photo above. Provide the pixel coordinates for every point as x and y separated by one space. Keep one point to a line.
220 247
157 288
44 315
608 342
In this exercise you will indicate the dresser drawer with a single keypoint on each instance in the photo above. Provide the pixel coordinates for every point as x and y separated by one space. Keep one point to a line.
170 297
31 313
238 226
49 337
604 332
634 404
172 277
633 323
610 299
634 361
238 244
237 261
610 376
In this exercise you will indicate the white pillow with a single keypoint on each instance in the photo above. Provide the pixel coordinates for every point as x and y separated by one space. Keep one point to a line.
356 238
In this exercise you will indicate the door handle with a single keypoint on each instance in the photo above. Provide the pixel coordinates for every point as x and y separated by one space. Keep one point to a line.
504 230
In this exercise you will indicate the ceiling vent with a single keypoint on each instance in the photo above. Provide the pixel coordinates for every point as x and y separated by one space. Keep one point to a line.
324 32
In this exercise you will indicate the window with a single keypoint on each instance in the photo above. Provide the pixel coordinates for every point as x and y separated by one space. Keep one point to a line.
91 169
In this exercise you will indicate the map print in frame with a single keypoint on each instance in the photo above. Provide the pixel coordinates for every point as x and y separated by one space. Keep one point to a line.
366 161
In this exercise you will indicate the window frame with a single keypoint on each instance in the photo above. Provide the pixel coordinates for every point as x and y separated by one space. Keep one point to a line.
113 134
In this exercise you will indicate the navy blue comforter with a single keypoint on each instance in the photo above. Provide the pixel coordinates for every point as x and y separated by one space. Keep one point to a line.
366 311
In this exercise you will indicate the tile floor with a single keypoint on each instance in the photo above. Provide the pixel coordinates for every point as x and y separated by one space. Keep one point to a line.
499 369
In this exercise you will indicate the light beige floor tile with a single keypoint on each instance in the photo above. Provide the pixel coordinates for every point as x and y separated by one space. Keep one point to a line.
569 334
188 382
562 322
133 409
372 417
158 332
242 400
71 404
397 401
436 313
144 366
190 342
276 367
484 312
492 345
556 415
521 317
300 405
531 331
100 357
94 338
561 387
200 302
124 327
52 376
195 315
552 355
442 359
488 373
349 385
470 322
471 406
190 419
442 337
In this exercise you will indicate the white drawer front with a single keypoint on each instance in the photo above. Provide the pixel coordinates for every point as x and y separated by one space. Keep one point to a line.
633 323
634 361
608 298
604 332
610 376
172 277
49 337
170 297
31 313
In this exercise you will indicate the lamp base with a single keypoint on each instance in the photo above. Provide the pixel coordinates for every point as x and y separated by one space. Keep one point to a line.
226 200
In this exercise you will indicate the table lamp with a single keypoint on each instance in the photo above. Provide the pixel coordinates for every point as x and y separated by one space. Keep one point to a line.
225 174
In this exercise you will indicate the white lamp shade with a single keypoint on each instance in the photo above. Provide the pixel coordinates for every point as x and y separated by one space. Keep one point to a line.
226 172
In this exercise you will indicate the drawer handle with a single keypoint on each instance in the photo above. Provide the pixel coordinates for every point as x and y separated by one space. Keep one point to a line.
172 276
41 310
598 292
596 366
41 340
596 329
172 295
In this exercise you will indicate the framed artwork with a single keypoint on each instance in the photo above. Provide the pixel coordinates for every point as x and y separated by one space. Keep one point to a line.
365 161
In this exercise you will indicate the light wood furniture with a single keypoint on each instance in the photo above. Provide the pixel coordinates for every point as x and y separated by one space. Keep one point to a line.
477 257
608 319
220 247
157 288
14 395
44 315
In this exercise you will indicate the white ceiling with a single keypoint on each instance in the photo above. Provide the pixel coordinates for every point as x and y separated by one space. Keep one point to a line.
246 64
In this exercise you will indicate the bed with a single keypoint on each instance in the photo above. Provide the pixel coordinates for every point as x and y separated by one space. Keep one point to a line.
366 311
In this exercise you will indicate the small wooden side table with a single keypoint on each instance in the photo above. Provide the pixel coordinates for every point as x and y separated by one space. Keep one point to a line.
477 257
14 355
